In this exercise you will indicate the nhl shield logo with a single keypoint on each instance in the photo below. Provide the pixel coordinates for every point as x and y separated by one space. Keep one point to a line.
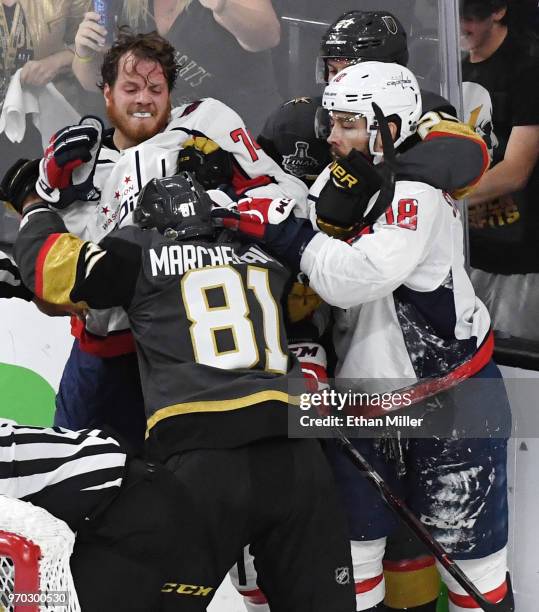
342 575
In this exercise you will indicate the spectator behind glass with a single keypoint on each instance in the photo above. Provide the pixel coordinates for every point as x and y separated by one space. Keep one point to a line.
223 46
34 35
501 100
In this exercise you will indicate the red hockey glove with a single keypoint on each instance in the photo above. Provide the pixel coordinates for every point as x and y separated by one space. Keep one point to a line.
67 169
253 215
313 361
269 222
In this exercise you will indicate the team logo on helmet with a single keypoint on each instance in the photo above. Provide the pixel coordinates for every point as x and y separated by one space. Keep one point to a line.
300 100
342 575
300 163
390 24
343 24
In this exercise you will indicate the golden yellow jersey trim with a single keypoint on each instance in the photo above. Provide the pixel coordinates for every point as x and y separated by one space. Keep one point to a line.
59 269
220 405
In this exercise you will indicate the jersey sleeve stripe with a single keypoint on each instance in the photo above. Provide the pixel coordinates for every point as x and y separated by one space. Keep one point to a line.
56 268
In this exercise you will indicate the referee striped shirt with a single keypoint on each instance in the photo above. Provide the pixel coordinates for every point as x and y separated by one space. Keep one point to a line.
10 280
69 473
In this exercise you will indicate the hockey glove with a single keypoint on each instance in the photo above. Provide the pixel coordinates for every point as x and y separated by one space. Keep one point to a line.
313 361
268 222
301 301
67 169
343 200
211 165
19 182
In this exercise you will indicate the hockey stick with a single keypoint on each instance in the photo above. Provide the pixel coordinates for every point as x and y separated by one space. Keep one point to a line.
398 506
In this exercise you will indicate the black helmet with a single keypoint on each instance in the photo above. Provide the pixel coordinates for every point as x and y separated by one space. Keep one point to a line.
363 36
176 206
289 137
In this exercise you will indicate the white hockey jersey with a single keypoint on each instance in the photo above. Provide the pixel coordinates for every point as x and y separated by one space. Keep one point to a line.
120 175
407 311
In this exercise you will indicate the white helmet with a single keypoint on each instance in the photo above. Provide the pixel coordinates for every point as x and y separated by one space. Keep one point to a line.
392 86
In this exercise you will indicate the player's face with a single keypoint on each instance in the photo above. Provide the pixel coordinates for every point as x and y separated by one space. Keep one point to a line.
348 131
138 104
334 66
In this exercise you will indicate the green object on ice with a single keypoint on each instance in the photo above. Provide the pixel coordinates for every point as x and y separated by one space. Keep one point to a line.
25 396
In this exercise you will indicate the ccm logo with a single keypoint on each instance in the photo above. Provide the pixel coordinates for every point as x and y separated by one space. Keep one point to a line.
186 589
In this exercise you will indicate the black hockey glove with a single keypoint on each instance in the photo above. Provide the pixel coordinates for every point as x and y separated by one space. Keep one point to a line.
68 166
211 165
343 200
19 182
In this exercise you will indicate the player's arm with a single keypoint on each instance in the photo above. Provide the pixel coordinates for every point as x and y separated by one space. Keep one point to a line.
253 172
253 23
513 172
62 269
450 156
346 274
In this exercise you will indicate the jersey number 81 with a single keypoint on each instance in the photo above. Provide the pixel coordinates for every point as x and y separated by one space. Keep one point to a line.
233 317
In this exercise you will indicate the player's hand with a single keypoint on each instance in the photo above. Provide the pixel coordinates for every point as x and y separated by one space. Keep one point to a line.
270 223
211 165
67 169
344 199
302 301
313 361
254 217
355 174
91 36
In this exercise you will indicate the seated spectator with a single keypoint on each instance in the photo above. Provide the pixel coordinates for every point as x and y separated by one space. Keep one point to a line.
501 100
223 46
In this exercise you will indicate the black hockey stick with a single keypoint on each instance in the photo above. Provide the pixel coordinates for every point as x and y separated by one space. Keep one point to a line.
398 506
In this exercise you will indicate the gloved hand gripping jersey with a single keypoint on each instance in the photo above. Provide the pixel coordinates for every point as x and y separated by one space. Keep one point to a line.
67 169
211 165
341 206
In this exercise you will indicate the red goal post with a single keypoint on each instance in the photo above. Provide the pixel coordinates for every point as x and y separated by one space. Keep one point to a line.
35 548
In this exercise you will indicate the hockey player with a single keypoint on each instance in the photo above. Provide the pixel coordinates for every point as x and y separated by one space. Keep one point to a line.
444 152
100 384
406 312
216 376
289 135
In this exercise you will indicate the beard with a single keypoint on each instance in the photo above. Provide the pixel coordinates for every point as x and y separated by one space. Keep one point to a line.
136 130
